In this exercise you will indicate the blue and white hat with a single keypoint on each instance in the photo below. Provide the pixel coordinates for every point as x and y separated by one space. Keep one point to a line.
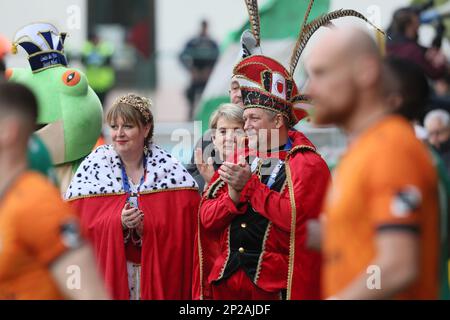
44 45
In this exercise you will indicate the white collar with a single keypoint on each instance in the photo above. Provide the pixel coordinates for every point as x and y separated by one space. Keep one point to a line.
100 173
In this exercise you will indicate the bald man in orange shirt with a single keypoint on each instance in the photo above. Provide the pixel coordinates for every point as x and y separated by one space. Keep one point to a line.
380 233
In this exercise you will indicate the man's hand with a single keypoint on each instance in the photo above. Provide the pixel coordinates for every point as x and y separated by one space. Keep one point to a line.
235 175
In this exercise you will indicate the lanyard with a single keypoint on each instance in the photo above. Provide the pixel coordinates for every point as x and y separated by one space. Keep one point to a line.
277 169
132 197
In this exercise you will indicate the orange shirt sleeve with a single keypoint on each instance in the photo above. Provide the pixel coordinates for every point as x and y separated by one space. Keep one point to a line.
47 226
396 190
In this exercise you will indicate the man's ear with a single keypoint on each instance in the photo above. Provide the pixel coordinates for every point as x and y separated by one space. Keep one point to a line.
370 74
213 135
10 132
279 121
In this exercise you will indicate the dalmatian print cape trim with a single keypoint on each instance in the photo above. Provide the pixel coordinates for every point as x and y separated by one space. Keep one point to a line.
100 174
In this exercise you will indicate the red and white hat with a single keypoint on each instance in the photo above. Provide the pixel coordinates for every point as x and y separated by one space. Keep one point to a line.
265 83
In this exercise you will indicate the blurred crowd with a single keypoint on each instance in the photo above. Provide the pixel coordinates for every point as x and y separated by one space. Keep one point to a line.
403 42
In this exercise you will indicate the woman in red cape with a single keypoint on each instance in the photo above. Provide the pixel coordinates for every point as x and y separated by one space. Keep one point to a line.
138 207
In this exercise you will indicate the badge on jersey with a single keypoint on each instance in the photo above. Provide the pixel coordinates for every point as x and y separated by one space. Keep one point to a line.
70 234
406 201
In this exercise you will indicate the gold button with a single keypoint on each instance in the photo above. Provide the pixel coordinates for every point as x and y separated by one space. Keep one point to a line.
243 225
241 250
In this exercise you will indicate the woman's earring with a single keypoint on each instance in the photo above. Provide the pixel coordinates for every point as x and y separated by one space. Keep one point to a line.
145 150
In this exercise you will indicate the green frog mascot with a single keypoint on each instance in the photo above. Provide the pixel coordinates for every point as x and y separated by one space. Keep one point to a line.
70 113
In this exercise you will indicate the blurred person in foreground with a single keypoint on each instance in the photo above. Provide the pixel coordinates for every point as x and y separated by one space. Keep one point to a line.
39 239
407 91
39 158
138 207
380 235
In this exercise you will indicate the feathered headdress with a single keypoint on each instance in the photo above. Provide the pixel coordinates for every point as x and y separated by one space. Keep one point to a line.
265 83
308 29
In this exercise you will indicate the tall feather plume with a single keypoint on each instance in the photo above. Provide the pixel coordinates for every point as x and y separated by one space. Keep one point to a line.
315 25
308 12
253 13
302 30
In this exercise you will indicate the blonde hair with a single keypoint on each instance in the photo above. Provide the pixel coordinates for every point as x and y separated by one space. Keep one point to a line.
229 111
132 109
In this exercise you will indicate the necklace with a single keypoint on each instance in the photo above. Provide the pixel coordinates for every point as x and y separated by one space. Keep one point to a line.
133 196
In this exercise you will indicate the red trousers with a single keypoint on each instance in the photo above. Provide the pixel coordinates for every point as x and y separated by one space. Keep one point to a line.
240 287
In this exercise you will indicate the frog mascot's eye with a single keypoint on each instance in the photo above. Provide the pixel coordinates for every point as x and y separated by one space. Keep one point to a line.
71 78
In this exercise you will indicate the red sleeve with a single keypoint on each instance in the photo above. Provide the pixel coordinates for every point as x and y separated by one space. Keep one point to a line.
218 213
273 205
310 176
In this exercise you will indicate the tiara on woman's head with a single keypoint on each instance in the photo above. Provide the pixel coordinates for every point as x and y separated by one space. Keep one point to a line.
142 104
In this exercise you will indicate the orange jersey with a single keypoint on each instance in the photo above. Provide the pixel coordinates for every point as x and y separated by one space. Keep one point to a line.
33 220
386 180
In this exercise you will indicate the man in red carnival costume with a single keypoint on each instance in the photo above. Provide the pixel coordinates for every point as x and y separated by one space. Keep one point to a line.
252 232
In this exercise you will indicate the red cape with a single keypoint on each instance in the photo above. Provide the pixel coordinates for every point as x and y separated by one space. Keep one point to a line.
167 247
169 199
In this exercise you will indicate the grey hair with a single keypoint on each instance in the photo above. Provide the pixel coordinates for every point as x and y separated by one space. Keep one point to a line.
273 114
441 114
229 111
